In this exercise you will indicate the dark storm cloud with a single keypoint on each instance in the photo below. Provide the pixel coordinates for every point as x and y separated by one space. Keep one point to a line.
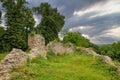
100 24
67 7
106 40
75 5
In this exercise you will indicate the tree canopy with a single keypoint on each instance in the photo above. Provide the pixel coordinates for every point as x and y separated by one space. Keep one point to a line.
77 39
51 22
111 50
19 22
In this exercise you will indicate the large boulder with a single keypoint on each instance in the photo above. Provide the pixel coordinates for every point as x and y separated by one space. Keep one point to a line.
37 45
60 48
14 59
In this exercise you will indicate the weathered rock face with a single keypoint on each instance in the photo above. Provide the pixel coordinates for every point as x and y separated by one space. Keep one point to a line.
60 48
15 59
107 60
90 51
37 45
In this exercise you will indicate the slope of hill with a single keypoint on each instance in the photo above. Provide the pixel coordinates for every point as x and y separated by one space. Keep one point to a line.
66 67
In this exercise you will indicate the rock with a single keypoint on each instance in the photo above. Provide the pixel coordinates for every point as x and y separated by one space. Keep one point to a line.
90 51
60 48
107 60
14 59
37 45
37 52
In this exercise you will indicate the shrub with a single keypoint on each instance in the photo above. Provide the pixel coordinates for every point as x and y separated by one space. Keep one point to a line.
77 39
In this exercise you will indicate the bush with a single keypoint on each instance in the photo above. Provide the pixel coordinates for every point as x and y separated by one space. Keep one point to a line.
77 39
111 50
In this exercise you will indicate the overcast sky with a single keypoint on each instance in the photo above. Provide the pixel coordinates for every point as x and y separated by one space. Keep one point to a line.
98 20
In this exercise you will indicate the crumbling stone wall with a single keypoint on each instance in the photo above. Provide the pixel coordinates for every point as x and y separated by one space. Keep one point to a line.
14 59
18 58
37 45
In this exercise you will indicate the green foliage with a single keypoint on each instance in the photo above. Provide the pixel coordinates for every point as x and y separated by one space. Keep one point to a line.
111 50
2 55
32 33
51 23
2 31
67 67
19 21
77 39
49 32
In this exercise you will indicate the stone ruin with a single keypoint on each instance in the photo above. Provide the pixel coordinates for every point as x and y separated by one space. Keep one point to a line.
90 51
14 59
60 48
18 58
106 59
37 45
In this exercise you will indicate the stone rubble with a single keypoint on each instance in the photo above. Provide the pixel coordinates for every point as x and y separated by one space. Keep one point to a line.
14 59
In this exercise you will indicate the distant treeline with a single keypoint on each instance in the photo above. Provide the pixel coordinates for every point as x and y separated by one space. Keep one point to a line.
112 50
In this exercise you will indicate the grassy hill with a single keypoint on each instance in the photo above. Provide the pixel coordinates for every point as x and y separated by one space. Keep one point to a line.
66 67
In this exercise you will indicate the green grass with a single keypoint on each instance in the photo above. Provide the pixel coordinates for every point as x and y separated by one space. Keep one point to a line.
2 55
66 67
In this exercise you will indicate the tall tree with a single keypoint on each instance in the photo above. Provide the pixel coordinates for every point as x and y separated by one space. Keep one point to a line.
51 23
2 32
19 21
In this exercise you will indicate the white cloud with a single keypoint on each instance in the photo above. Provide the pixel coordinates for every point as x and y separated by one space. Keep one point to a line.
111 33
95 40
109 7
37 19
86 36
80 28
114 32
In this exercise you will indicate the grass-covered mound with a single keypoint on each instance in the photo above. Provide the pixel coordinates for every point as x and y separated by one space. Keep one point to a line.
66 67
